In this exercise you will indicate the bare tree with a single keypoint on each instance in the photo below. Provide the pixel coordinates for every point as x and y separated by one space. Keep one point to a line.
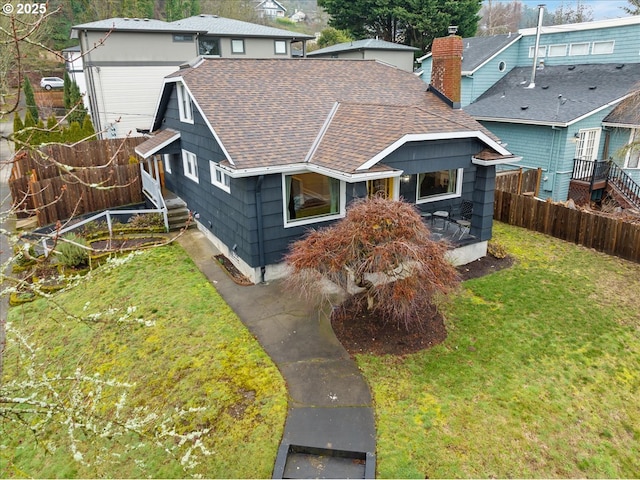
499 17
633 8
38 400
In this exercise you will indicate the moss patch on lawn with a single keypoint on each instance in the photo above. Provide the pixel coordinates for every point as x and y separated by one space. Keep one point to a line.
156 323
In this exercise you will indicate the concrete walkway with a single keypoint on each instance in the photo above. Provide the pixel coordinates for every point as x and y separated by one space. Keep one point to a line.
329 400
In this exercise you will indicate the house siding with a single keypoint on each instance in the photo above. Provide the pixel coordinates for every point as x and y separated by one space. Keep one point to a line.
618 139
487 75
232 217
551 149
124 114
627 44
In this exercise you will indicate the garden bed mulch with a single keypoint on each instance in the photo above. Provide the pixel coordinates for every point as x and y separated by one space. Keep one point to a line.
231 270
360 332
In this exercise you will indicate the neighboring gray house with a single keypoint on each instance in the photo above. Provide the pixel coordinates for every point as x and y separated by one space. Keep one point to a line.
260 170
126 59
401 56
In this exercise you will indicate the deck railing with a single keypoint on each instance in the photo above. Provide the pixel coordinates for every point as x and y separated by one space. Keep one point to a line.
609 172
624 184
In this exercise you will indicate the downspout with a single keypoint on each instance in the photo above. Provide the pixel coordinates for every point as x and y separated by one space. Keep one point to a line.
260 227
93 101
532 84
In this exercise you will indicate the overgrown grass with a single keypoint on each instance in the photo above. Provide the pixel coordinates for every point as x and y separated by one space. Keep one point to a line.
539 377
193 352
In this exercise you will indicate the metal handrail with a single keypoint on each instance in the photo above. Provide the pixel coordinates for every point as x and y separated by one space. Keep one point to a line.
624 184
107 213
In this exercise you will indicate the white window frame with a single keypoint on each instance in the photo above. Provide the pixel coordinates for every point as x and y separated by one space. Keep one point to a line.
542 51
166 159
310 220
282 43
633 152
185 106
190 165
588 144
444 196
576 46
224 182
235 42
559 50
610 44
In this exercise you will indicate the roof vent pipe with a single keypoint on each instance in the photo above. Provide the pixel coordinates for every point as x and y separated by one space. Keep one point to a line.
532 84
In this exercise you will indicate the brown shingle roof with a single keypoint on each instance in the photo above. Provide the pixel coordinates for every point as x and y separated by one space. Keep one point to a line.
155 143
271 112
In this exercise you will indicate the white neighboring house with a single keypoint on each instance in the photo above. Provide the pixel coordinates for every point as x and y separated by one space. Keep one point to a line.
73 64
270 9
126 60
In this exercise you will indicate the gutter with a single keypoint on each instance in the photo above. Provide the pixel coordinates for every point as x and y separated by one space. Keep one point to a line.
260 227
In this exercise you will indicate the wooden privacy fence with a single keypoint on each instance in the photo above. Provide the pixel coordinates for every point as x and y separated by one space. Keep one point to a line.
519 181
88 177
610 235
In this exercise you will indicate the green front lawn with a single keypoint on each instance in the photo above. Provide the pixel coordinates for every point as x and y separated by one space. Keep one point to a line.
154 322
539 377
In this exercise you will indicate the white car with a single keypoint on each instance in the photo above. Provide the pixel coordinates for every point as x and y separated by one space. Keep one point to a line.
51 82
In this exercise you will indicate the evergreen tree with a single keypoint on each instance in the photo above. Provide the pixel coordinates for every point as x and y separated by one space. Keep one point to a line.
30 100
18 131
415 22
88 130
53 129
73 102
72 134
28 131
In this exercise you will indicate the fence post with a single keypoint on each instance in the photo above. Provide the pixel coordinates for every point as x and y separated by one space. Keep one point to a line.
109 224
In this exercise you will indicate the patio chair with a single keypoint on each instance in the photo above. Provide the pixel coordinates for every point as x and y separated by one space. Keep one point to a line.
463 220
443 215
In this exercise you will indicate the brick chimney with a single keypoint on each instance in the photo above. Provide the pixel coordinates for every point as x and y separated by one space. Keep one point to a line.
446 67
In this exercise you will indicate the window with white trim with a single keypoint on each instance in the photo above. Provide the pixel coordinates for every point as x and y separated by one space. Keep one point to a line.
190 165
433 186
632 159
558 50
237 45
184 103
542 51
602 48
280 47
167 162
588 144
579 49
219 177
311 197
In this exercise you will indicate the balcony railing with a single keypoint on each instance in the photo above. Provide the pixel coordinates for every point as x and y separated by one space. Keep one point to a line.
609 172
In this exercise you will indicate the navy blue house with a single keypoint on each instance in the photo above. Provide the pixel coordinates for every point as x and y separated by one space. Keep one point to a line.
261 168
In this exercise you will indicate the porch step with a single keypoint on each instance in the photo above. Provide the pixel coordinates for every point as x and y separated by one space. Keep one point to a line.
178 218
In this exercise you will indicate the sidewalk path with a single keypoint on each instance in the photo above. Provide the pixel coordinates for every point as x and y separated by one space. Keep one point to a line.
330 403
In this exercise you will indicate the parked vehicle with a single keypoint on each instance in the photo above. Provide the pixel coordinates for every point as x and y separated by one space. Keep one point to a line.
51 82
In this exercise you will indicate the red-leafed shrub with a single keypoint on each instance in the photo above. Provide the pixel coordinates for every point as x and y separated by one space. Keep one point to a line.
383 247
